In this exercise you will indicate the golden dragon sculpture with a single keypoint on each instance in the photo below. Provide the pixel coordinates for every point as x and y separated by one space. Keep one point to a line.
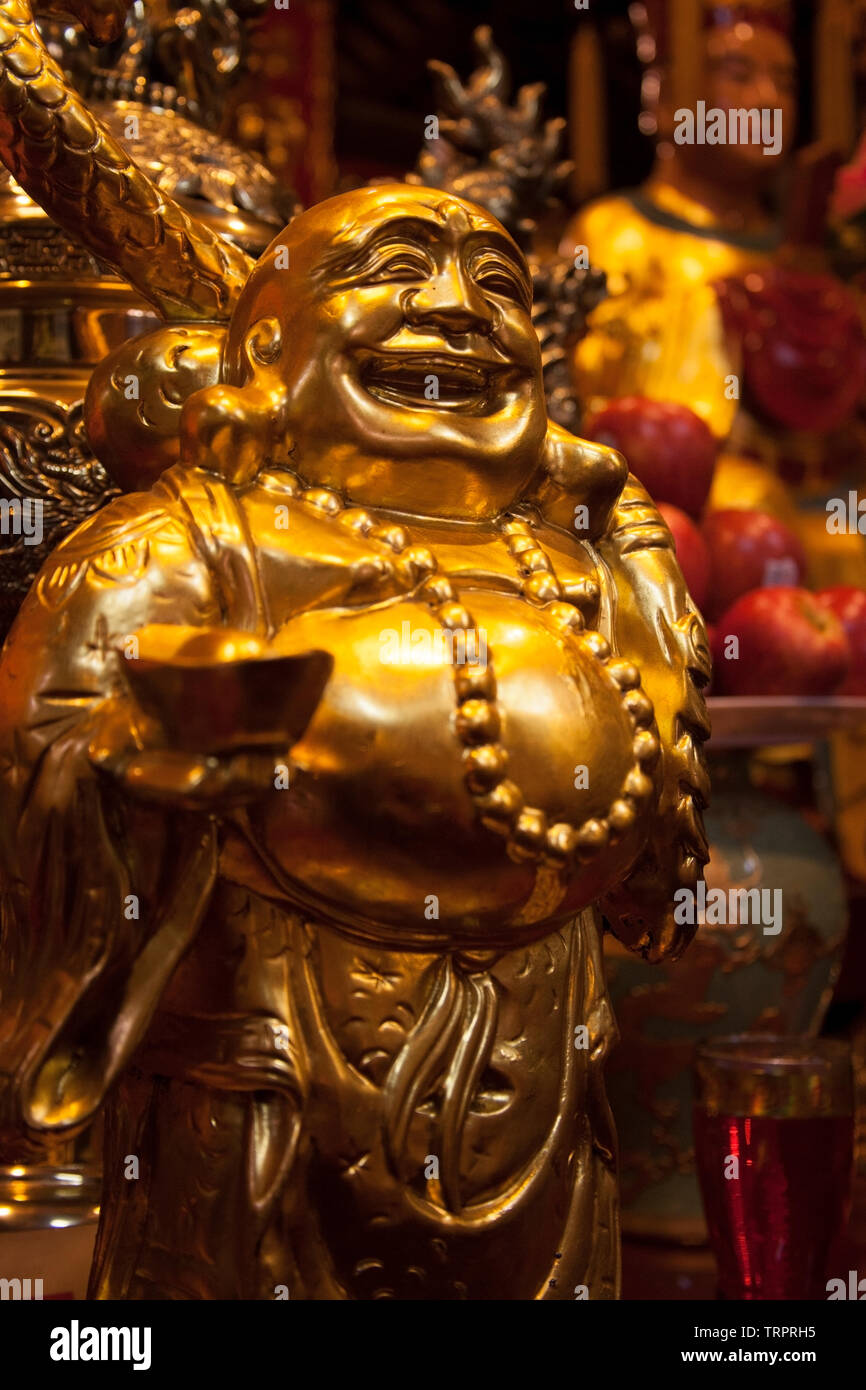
84 179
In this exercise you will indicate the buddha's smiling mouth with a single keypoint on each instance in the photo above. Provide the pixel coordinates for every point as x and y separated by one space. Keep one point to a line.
426 381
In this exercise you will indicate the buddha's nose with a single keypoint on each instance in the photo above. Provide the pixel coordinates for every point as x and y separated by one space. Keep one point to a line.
450 302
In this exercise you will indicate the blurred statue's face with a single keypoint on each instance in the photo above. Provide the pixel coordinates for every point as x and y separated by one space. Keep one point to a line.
752 66
412 367
746 67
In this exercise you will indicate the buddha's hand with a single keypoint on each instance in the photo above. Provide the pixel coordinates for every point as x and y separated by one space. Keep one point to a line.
209 719
133 752
579 483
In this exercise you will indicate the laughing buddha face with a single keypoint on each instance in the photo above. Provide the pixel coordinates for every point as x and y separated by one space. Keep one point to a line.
395 321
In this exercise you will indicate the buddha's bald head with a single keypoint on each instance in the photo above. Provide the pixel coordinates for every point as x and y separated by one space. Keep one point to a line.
397 320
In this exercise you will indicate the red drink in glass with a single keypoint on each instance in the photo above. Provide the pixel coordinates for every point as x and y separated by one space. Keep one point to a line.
772 1228
773 1127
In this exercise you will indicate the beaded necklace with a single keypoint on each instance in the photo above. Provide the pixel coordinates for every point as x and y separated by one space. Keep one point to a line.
500 802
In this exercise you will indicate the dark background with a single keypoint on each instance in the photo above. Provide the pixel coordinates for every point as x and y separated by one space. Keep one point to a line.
384 90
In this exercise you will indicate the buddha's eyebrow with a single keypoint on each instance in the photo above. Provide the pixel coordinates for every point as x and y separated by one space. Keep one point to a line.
342 261
345 259
503 245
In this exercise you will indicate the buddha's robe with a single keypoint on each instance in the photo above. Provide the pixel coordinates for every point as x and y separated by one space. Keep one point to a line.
310 1107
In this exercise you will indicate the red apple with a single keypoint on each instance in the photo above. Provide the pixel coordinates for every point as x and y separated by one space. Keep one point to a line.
670 448
787 643
849 605
749 550
691 551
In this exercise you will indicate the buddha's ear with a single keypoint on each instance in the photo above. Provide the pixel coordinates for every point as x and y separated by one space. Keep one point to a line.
134 400
262 345
252 353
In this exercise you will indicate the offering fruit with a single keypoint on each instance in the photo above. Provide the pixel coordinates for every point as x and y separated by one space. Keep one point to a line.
779 641
849 606
749 550
670 448
691 551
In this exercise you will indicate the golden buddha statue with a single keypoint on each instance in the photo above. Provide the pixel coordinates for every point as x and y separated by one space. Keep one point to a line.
322 755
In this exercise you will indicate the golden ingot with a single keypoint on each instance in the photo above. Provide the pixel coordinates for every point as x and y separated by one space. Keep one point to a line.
213 691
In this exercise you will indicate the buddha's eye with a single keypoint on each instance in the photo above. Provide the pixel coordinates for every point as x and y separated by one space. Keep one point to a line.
735 69
497 283
496 277
403 264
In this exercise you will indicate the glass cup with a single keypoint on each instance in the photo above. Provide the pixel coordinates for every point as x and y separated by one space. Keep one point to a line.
774 1138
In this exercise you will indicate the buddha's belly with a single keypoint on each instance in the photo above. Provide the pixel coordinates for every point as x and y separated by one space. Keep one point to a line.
379 828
